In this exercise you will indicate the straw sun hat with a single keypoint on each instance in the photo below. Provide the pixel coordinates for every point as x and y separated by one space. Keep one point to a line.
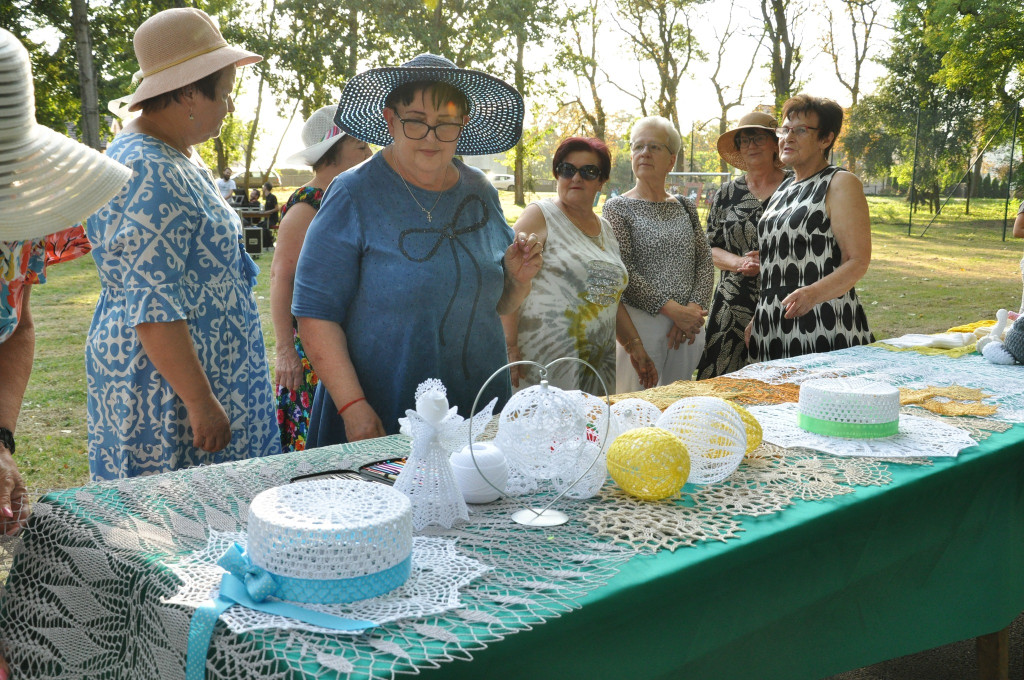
495 107
754 120
319 134
177 47
48 182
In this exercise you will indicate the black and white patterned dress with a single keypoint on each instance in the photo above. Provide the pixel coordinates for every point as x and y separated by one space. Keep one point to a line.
731 226
798 248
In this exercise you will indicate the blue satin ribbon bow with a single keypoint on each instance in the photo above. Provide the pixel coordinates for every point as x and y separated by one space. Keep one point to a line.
248 585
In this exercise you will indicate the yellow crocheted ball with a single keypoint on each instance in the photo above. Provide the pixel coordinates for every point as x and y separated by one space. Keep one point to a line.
649 463
754 433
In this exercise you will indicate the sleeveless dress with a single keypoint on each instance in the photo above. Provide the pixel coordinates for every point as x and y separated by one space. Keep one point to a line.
731 226
798 248
293 406
571 308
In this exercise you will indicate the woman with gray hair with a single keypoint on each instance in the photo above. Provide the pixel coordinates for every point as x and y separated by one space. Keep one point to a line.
671 273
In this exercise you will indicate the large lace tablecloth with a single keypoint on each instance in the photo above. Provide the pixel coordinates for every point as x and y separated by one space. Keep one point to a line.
89 595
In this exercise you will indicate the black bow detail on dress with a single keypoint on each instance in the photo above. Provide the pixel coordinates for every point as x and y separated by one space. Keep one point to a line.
451 233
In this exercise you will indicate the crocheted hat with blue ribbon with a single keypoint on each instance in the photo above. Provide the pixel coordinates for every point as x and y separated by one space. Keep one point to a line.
495 108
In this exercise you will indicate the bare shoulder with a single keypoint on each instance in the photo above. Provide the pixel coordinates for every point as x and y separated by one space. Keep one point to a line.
532 221
846 181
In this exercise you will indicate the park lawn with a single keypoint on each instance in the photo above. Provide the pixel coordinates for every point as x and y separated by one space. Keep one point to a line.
961 271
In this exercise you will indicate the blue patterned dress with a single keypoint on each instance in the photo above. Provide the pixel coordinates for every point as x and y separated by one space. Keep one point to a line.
167 248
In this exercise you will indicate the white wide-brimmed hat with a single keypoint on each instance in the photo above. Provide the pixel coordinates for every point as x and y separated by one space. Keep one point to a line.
319 134
177 47
48 182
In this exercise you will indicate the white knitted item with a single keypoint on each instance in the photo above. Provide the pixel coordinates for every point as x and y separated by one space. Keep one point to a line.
633 413
854 400
329 529
713 433
537 422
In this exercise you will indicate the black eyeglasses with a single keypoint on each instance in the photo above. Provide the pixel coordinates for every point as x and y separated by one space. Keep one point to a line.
568 171
417 129
753 140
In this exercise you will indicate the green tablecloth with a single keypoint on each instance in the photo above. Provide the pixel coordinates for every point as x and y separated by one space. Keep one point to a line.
935 557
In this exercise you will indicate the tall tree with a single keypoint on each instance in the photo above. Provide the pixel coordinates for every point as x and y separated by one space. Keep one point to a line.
728 98
659 33
887 120
578 56
861 18
782 25
524 22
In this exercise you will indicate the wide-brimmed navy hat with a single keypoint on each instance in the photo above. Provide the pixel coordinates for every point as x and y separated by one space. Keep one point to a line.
495 107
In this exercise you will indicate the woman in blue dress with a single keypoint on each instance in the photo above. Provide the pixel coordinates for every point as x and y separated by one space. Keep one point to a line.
175 358
409 262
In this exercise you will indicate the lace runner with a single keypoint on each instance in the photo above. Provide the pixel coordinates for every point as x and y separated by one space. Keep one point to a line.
97 557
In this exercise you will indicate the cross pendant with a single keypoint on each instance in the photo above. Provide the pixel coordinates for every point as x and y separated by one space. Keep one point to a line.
428 216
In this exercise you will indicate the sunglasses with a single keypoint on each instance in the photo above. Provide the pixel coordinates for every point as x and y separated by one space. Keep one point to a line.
568 171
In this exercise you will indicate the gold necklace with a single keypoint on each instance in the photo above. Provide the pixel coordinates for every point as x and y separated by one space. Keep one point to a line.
598 240
444 180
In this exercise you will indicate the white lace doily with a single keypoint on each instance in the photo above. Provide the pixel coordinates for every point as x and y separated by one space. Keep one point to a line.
433 587
902 369
917 436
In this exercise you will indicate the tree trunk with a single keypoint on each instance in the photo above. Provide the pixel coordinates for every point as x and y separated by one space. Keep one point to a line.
86 74
520 73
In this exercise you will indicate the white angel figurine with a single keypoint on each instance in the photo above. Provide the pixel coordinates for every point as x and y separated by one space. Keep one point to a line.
427 478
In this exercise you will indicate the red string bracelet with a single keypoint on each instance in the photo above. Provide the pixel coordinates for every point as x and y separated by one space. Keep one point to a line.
354 401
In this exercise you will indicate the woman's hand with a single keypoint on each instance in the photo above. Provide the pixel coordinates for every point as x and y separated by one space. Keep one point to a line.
675 336
750 264
799 302
362 422
524 258
643 365
211 429
14 505
288 368
689 318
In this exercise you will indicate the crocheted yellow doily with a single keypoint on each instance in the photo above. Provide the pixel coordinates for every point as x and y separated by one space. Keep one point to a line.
954 400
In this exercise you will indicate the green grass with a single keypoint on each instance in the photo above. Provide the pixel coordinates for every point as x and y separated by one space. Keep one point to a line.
959 272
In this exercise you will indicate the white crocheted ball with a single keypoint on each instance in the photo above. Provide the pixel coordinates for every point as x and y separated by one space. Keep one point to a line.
712 432
536 423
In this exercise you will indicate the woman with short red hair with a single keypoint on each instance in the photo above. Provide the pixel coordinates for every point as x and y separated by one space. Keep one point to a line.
574 309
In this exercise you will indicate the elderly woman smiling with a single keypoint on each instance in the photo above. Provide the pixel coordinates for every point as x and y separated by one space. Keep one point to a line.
409 261
815 243
732 234
667 255
574 309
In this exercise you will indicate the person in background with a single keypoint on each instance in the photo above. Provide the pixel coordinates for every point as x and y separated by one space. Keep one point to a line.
329 151
814 242
670 269
574 308
732 234
409 262
1018 232
175 358
271 218
57 183
226 185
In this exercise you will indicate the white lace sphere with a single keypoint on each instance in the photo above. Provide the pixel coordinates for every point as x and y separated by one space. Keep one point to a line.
632 413
712 431
478 480
600 426
537 421
587 475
